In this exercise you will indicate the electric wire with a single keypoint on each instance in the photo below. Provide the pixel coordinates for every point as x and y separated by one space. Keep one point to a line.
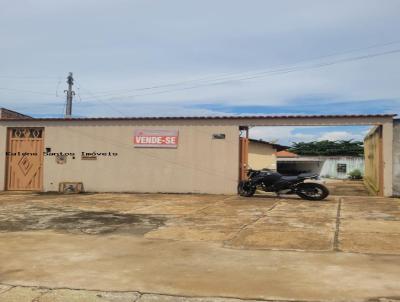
261 75
220 80
250 73
79 86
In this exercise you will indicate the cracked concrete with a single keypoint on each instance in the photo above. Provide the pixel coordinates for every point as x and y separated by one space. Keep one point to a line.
182 246
37 294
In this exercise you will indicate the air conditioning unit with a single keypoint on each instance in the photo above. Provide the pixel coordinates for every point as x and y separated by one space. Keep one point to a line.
70 187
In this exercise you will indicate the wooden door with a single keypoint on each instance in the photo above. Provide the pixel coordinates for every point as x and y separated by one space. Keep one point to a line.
24 159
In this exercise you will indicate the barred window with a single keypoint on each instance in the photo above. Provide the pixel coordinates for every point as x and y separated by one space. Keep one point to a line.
26 133
341 168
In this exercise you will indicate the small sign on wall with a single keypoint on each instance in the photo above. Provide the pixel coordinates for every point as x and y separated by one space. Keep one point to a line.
144 138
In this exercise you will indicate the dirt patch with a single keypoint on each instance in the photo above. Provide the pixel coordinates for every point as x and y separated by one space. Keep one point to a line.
79 221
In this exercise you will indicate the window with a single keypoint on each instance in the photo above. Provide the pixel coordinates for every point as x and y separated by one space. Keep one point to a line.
341 168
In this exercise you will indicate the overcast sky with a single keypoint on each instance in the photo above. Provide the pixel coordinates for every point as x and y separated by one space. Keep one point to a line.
203 57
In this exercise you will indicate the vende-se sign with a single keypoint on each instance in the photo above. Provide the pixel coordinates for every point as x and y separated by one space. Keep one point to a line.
156 138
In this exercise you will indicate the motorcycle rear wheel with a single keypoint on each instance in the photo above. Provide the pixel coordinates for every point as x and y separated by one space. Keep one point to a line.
312 191
245 189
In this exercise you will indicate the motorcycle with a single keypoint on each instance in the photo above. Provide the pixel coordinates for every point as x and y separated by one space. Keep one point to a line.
271 181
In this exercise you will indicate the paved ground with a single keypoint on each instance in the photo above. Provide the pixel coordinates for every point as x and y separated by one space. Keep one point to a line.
346 187
127 245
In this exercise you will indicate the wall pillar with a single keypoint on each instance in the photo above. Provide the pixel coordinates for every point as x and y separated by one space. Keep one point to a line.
387 144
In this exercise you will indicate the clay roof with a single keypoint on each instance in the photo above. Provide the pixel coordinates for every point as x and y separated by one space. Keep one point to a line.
7 114
286 154
276 146
225 117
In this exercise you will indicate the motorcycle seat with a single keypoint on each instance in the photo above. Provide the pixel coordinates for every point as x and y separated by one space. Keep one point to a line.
290 178
300 176
308 175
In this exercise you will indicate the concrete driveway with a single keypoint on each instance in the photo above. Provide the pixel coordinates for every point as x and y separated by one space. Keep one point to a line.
126 247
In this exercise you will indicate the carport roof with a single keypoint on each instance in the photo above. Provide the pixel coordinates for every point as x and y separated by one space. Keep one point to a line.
225 117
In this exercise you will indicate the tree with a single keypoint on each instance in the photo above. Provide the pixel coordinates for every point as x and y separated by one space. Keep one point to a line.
329 148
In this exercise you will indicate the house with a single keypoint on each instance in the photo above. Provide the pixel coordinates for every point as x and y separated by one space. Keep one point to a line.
10 114
290 163
337 167
262 154
204 154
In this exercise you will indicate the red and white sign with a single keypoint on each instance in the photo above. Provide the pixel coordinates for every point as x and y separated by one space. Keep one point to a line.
156 138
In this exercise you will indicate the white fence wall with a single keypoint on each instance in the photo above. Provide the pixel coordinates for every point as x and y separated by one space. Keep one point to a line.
329 168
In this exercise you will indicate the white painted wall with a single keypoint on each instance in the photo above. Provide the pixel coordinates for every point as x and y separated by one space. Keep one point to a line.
329 168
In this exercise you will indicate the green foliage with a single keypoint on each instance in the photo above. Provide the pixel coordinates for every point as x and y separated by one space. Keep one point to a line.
329 148
355 174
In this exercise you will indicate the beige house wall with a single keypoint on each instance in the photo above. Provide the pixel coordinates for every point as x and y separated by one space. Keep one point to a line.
261 156
200 164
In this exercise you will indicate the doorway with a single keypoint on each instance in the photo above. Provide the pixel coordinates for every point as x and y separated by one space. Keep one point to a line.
24 159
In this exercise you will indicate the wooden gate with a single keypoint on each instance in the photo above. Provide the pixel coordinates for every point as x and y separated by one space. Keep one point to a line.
373 153
24 159
244 157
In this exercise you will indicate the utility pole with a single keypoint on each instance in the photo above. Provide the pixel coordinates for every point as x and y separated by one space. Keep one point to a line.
70 95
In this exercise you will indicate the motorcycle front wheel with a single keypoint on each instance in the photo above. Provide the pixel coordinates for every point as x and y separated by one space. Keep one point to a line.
246 189
312 191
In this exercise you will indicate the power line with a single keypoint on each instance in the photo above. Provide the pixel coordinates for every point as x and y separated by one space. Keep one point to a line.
346 60
262 74
79 86
224 78
235 74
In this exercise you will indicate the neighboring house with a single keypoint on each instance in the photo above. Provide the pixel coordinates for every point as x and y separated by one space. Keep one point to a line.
337 167
7 114
262 154
292 164
396 157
